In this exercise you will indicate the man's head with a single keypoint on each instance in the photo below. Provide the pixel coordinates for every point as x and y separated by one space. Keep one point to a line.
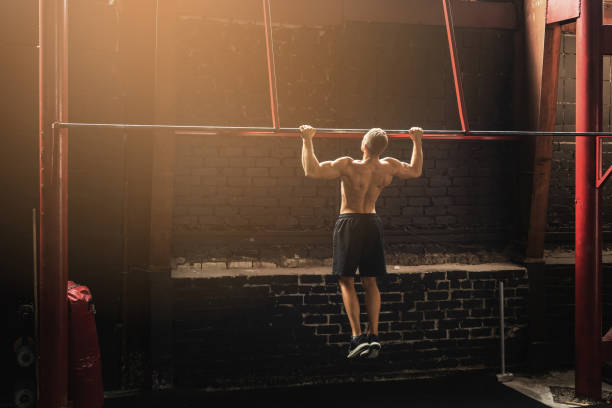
375 141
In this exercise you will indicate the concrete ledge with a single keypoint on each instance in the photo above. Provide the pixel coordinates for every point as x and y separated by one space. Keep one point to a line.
187 271
562 257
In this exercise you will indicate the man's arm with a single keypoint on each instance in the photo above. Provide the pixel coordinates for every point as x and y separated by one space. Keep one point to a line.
415 168
312 167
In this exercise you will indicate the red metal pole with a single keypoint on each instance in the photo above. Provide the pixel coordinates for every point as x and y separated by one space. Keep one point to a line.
271 65
53 311
452 47
588 270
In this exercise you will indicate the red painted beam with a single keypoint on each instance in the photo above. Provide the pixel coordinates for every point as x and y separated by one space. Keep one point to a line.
588 313
601 176
270 63
457 79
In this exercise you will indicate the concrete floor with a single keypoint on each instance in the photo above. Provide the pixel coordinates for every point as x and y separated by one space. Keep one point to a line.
468 390
537 387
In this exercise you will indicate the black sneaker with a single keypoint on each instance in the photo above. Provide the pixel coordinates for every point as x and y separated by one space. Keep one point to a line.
359 345
373 346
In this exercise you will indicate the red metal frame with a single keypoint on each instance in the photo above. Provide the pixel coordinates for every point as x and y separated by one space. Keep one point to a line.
270 65
588 316
452 47
601 177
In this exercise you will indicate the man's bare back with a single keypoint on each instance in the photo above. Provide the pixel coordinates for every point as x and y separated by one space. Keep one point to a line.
361 180
361 184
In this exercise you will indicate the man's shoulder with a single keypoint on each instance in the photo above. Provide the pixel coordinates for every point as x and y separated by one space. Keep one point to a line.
390 165
390 161
344 161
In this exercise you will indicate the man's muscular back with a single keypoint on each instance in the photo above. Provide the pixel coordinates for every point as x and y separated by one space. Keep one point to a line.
361 180
361 184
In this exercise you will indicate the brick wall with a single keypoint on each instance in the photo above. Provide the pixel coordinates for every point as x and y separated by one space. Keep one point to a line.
350 76
253 189
358 75
558 292
283 329
561 205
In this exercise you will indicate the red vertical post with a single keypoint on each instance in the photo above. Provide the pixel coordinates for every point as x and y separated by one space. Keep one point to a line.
588 256
271 65
452 48
53 310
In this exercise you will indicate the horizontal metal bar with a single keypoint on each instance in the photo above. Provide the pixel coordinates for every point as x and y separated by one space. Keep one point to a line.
282 132
329 132
214 129
534 133
68 125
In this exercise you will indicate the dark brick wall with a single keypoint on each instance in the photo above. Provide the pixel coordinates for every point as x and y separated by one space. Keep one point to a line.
562 186
352 76
283 329
256 184
349 76
558 291
249 186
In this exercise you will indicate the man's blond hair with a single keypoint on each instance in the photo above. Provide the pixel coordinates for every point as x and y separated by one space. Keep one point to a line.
376 141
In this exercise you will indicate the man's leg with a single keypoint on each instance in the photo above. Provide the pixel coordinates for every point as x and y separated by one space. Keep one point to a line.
351 302
372 300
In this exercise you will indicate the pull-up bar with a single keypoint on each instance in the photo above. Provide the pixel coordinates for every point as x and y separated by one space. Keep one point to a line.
278 132
325 132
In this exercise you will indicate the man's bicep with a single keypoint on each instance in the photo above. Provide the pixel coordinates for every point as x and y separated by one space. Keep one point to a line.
409 171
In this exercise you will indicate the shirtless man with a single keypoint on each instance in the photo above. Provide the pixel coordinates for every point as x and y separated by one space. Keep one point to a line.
358 233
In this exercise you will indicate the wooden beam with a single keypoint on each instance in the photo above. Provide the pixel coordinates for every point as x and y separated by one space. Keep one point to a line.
535 28
542 156
337 12
162 188
162 200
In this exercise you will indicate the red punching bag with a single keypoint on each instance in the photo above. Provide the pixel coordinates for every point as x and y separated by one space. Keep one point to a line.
85 376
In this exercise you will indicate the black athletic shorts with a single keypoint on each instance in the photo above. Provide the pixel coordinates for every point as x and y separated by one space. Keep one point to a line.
358 242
